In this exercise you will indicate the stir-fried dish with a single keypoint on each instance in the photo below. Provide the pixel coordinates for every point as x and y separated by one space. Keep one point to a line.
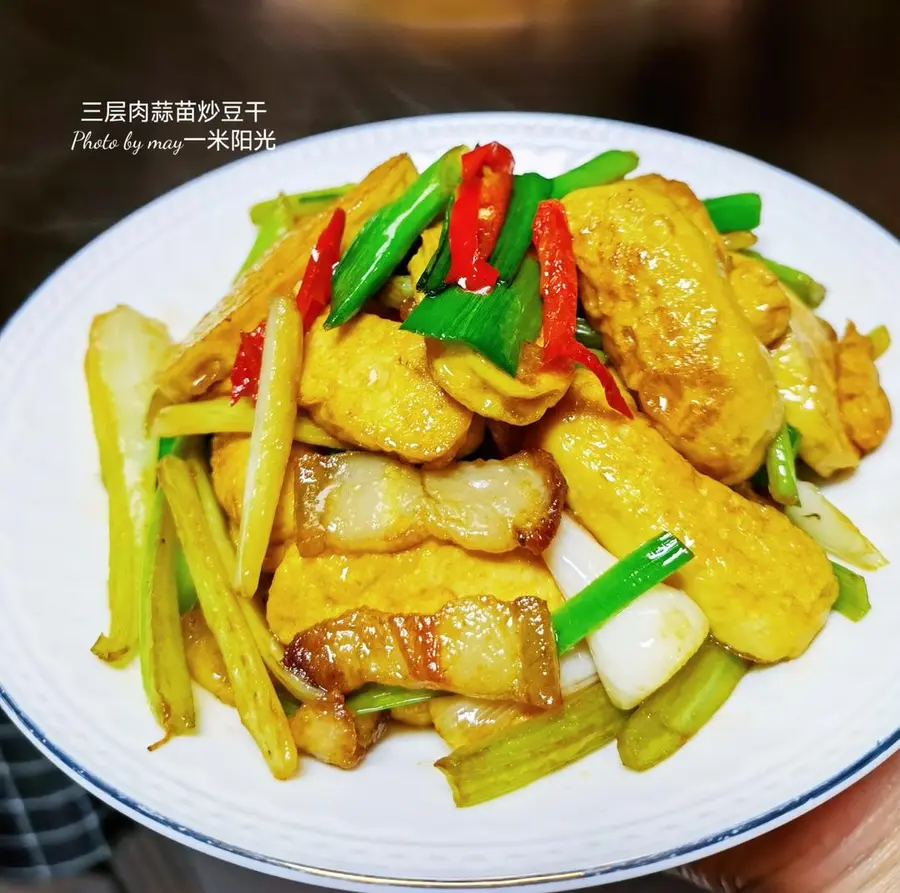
532 463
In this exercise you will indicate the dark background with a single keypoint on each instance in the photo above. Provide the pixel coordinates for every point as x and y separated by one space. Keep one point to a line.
810 85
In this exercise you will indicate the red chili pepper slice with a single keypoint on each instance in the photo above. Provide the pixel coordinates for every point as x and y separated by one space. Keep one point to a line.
314 293
478 214
559 290
312 297
559 277
248 364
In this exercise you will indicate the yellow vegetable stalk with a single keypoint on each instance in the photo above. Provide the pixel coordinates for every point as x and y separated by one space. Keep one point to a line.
124 351
164 669
254 694
270 441
271 650
219 416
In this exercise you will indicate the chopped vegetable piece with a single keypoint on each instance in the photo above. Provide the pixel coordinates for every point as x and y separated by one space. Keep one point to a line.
220 416
853 594
781 468
528 191
559 289
460 720
559 278
494 325
532 749
184 584
167 445
387 237
270 649
760 479
601 599
247 364
587 335
668 719
617 587
804 286
270 442
881 340
730 213
604 168
375 698
254 694
124 351
644 645
832 529
478 213
315 289
739 240
301 203
272 652
164 670
434 277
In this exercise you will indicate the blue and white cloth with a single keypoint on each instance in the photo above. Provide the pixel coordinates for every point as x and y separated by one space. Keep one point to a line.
49 826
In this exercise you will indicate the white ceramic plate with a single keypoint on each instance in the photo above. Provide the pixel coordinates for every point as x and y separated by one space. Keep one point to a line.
790 737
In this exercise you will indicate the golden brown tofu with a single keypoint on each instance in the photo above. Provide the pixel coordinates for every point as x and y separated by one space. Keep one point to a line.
333 734
759 293
684 197
207 354
420 580
365 502
763 299
765 586
369 381
482 647
804 364
479 385
865 409
655 287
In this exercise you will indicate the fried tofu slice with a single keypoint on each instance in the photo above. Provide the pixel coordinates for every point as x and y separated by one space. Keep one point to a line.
657 289
760 295
765 586
333 734
420 580
207 354
865 408
691 206
805 366
370 381
481 647
763 299
365 502
490 392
